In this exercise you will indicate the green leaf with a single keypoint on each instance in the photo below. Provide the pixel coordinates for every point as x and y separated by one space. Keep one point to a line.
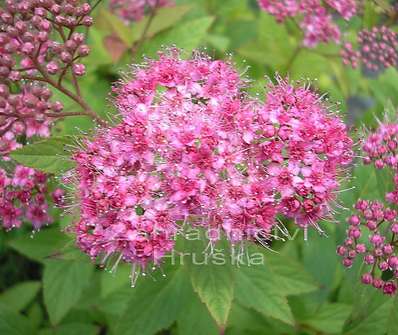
35 314
292 279
329 318
196 320
392 325
111 282
257 288
50 156
186 35
99 55
219 42
154 305
12 323
20 295
215 286
274 47
72 329
63 284
375 323
245 320
371 312
40 245
165 18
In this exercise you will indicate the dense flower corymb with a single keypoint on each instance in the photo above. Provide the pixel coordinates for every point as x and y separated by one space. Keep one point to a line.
303 147
194 149
180 154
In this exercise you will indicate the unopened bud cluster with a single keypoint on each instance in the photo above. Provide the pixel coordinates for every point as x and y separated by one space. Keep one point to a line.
377 49
373 232
39 45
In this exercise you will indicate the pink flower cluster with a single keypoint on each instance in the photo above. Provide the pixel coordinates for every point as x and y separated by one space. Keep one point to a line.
23 196
377 49
380 252
316 17
303 148
134 10
38 40
194 149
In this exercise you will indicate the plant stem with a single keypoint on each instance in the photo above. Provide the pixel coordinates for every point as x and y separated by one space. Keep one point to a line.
144 34
296 52
65 114
75 97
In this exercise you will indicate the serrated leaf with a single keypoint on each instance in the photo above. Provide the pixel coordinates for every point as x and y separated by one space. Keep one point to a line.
12 323
256 287
290 275
196 319
154 305
371 312
63 284
215 286
40 245
17 297
50 156
374 323
329 318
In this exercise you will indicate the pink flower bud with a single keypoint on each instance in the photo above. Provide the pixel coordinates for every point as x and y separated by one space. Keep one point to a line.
79 69
389 288
360 248
367 278
378 283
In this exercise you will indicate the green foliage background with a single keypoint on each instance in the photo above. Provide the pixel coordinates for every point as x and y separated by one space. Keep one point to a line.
49 287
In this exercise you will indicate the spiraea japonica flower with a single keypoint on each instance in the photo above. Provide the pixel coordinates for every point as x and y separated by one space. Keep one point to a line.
316 17
377 49
303 148
178 156
23 197
193 149
134 10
